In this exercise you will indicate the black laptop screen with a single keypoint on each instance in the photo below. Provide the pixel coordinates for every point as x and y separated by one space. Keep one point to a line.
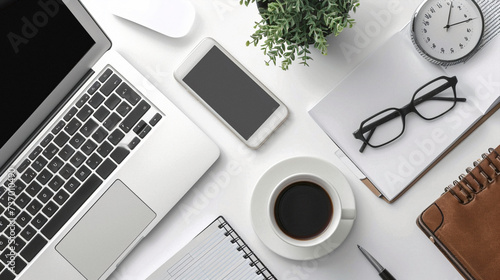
40 42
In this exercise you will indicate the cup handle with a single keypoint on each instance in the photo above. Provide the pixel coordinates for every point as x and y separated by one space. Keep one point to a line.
348 214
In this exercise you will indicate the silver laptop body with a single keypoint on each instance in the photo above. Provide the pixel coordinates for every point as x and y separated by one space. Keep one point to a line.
98 163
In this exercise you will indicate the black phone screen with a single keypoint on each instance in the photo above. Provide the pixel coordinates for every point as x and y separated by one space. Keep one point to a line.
225 87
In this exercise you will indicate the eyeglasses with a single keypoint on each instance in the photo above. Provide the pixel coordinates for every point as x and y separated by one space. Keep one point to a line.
430 101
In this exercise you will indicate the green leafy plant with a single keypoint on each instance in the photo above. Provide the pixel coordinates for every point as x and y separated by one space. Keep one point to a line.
289 27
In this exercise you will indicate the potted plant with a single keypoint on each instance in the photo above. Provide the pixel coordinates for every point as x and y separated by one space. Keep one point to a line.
289 27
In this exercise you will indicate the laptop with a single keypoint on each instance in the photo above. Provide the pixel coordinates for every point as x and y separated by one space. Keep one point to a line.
92 156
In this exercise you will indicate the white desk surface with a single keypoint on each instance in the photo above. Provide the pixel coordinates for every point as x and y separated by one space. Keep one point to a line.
387 231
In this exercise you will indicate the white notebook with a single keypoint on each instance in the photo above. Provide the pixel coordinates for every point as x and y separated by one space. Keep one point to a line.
217 252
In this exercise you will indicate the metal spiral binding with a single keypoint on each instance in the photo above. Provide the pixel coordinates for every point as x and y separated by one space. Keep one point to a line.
260 268
465 187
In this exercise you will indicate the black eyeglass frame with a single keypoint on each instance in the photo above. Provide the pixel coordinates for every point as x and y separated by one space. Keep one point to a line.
409 108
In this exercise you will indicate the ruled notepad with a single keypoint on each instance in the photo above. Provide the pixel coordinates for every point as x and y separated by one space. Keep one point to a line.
217 252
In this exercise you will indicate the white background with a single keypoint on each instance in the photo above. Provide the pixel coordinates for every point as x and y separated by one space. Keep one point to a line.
387 231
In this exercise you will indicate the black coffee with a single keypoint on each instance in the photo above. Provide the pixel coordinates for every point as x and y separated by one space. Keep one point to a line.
303 210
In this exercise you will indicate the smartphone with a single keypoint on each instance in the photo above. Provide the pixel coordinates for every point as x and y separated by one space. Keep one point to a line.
231 93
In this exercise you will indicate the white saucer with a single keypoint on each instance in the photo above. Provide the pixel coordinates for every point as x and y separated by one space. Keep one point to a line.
261 219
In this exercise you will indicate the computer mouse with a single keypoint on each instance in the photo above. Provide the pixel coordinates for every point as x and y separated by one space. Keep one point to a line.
173 18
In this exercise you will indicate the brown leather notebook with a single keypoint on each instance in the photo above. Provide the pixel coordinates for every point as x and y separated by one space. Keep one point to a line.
464 223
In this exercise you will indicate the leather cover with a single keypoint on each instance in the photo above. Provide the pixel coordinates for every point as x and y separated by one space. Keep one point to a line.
464 223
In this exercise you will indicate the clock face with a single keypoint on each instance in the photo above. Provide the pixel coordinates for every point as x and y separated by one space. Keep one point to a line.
447 30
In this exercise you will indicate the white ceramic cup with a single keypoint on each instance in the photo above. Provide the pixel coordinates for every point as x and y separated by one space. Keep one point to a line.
334 220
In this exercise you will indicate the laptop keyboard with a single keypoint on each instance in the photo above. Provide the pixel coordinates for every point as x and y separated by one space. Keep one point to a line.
59 175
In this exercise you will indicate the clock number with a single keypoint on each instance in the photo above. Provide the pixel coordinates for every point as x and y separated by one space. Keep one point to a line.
466 39
465 16
442 50
432 10
433 46
428 16
426 23
427 39
425 30
469 30
452 50
461 46
439 5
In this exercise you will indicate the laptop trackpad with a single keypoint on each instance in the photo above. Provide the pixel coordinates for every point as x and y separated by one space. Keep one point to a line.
105 231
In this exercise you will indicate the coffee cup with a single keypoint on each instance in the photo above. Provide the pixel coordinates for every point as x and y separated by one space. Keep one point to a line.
304 209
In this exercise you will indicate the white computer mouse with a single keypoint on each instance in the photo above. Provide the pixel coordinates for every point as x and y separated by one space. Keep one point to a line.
173 18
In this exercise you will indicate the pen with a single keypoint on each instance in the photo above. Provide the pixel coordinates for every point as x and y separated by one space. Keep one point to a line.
384 274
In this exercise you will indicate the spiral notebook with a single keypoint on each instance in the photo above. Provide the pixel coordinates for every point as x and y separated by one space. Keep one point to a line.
464 223
218 252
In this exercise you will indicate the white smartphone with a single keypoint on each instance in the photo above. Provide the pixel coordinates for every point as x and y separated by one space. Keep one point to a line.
231 93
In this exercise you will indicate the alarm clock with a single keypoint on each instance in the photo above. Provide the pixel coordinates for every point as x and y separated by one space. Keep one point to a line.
447 32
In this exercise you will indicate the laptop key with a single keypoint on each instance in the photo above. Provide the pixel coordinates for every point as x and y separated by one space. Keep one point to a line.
134 143
66 152
33 189
105 149
134 116
107 73
111 121
39 221
128 93
119 154
44 176
99 135
23 219
89 127
25 164
106 168
67 170
95 86
71 206
101 114
72 126
28 232
47 140
7 275
50 209
70 114
45 195
85 112
61 139
115 137
77 140
112 101
37 151
61 197
50 151
123 109
34 207
28 175
94 161
155 119
83 173
39 163
56 183
78 159
88 147
33 247
82 100
96 100
71 185
59 126
55 164
110 85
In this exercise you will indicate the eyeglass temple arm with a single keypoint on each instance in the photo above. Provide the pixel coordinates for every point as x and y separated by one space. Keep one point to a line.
365 143
431 95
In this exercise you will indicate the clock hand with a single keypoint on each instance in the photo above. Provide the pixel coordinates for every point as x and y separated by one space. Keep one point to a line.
457 23
449 15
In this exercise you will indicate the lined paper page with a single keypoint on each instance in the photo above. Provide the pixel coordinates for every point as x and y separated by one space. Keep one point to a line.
216 253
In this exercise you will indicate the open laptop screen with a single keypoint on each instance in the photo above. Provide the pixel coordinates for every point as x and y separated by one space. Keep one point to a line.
40 42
